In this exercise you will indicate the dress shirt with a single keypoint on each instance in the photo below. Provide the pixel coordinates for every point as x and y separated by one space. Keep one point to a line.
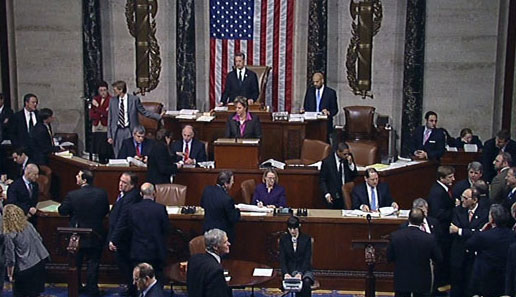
28 115
469 211
28 184
217 257
318 102
144 293
189 144
126 115
426 226
138 147
444 186
241 74
351 167
424 133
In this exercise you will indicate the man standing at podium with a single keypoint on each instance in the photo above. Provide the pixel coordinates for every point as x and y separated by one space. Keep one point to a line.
240 82
87 208
321 98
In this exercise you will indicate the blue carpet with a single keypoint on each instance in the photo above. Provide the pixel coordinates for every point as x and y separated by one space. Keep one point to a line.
60 290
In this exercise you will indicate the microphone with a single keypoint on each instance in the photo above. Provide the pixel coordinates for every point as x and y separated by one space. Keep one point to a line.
368 217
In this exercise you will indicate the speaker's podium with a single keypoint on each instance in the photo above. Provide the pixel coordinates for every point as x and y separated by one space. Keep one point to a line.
238 153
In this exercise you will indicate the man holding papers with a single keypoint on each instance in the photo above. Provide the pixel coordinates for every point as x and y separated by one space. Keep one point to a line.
372 194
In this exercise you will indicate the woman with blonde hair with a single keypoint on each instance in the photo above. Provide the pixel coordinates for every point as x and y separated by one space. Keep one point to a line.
24 252
270 193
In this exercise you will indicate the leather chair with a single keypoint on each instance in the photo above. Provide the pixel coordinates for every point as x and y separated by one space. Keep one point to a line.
312 151
262 72
359 122
196 245
171 194
364 152
247 187
44 188
346 192
151 125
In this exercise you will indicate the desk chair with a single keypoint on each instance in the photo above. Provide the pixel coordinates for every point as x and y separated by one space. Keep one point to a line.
151 125
312 151
196 245
247 187
171 194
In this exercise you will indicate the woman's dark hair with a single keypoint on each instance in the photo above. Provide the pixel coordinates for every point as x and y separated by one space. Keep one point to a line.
293 222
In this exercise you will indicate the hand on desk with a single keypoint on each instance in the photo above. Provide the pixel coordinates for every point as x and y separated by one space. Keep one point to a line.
420 155
325 112
112 247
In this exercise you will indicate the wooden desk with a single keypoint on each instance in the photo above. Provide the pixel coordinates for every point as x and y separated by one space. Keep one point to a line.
336 264
460 161
302 185
237 153
281 140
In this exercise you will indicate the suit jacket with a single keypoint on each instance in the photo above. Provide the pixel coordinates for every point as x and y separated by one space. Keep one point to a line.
129 150
197 150
360 196
6 113
490 152
492 248
329 179
160 165
459 253
18 130
328 101
510 273
134 106
40 144
299 260
433 224
118 212
205 277
87 208
253 128
234 87
440 206
434 146
411 250
459 187
18 194
498 188
155 291
147 223
219 210
458 143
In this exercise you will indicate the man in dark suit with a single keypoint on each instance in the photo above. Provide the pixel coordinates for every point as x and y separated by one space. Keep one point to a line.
441 204
160 164
510 199
5 114
428 141
498 188
491 247
23 121
502 142
137 146
87 208
24 192
372 195
467 220
336 170
240 82
21 159
145 279
189 150
205 275
321 98
123 115
219 207
147 223
411 250
510 273
128 196
41 140
474 173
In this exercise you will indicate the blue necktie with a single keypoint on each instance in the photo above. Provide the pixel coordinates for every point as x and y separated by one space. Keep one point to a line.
318 99
374 202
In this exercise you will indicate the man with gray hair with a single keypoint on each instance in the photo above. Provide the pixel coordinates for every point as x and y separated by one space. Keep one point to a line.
491 247
147 224
137 146
205 275
144 278
429 224
475 171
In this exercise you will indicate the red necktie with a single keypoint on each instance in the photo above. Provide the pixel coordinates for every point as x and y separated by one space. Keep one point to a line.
470 215
187 152
138 151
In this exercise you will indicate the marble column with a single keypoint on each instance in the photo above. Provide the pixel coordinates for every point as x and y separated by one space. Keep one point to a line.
414 62
317 37
185 54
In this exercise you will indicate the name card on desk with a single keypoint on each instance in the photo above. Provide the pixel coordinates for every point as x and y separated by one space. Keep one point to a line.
262 272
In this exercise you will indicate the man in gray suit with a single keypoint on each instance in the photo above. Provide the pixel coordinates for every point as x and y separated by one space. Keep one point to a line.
123 115
498 189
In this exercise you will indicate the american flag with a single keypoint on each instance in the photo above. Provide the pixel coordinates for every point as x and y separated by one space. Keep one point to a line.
261 29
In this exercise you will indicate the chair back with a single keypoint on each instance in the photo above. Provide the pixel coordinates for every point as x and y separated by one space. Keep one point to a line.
171 194
196 245
359 122
314 151
151 125
262 72
364 152
44 188
346 192
247 187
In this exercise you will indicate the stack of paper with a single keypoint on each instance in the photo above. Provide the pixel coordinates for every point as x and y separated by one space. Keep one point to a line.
253 208
64 154
205 118
118 162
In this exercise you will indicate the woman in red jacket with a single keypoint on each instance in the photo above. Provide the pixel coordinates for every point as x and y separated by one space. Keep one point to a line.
99 120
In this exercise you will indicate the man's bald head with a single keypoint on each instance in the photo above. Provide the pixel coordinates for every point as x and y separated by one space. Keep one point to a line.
318 80
147 190
31 172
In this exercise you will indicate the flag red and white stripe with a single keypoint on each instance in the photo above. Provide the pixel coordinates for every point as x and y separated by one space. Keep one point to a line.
271 45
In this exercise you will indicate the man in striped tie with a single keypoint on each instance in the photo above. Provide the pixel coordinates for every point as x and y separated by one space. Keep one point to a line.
123 115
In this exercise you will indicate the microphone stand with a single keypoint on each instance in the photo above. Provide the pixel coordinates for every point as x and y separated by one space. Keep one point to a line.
88 132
